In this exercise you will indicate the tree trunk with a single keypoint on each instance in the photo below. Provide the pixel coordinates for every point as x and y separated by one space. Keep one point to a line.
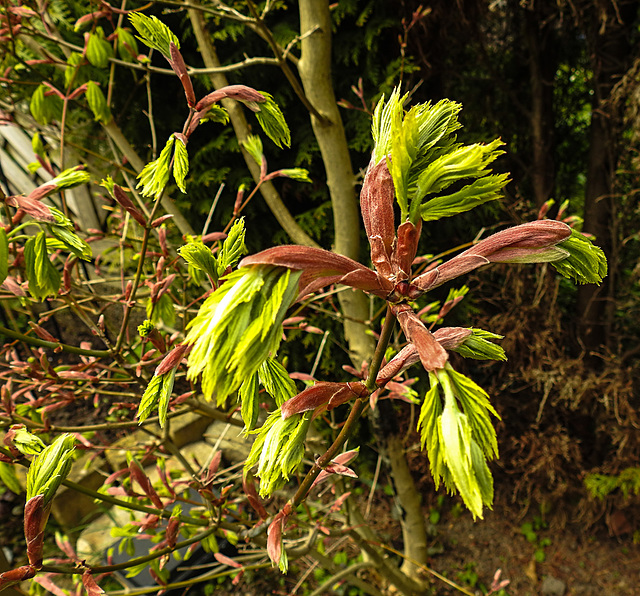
610 59
315 73
542 67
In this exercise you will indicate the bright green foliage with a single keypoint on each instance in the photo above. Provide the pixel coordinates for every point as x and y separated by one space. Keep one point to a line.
26 442
600 485
4 255
425 160
585 263
9 478
155 175
276 380
98 103
99 50
232 248
44 279
157 395
180 164
63 230
253 146
199 257
45 108
72 73
37 145
50 467
299 174
162 310
125 38
154 33
238 327
249 401
278 450
479 345
71 177
459 437
272 121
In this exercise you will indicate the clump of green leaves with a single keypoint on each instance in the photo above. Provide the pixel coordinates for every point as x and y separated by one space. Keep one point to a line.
238 327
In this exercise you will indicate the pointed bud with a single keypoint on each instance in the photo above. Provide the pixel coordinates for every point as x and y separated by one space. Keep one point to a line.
432 354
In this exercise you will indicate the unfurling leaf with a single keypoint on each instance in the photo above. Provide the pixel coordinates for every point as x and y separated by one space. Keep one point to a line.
479 345
253 146
198 255
63 230
44 278
238 327
154 33
126 44
155 175
157 394
50 467
99 50
585 263
180 164
299 174
276 380
249 402
459 437
278 450
272 121
45 108
98 103
232 248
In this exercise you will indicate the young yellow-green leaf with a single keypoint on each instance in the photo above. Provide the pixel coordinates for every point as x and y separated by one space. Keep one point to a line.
238 327
482 190
249 402
216 113
71 177
43 277
9 478
299 174
127 45
155 175
72 73
253 145
276 381
99 50
45 108
63 230
233 247
180 164
38 145
150 398
4 255
199 256
272 121
50 467
586 262
163 310
154 33
27 443
479 345
455 437
98 103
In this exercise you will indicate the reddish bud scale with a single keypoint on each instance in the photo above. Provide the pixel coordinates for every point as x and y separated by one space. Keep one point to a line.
36 515
15 576
376 203
252 495
180 68
32 205
331 394
432 354
125 202
238 92
172 359
452 337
